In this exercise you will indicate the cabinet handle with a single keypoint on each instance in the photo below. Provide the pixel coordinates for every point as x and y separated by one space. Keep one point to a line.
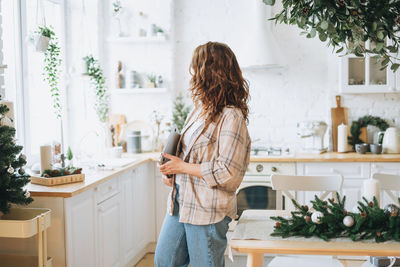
335 171
110 187
259 168
95 189
274 169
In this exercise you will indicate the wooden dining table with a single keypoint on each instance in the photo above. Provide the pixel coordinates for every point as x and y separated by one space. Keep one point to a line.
252 236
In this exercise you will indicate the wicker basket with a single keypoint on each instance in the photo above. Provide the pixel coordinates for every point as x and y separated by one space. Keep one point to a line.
68 179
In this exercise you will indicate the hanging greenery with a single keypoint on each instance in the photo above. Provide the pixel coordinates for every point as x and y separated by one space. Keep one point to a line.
344 22
52 60
334 221
94 71
356 126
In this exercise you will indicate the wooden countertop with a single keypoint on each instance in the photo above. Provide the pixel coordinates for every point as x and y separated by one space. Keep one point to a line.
330 157
97 177
91 180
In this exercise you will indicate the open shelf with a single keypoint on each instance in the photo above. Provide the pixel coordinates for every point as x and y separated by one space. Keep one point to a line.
129 91
262 67
129 39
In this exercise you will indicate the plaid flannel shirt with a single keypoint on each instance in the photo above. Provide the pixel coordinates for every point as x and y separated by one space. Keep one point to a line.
223 151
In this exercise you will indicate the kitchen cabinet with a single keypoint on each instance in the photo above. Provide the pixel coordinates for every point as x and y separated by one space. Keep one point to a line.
363 75
109 232
80 218
162 192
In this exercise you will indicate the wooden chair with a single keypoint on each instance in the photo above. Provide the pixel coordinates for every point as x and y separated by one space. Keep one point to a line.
389 184
285 185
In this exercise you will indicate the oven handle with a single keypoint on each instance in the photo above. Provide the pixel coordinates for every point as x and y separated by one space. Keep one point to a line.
247 185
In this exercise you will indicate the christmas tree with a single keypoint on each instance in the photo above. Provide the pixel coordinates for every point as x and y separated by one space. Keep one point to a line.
12 175
180 112
329 219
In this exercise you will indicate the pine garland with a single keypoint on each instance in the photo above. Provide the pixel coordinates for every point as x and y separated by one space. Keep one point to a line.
371 222
356 126
180 112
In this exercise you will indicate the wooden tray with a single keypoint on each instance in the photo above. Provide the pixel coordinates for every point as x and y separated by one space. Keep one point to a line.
68 179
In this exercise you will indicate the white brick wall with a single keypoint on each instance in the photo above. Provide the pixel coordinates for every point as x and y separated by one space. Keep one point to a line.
305 90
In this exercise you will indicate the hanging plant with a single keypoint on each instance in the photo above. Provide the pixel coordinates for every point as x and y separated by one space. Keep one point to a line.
344 22
356 126
94 71
52 60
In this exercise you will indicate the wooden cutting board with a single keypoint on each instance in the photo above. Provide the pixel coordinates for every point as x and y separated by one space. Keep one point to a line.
339 116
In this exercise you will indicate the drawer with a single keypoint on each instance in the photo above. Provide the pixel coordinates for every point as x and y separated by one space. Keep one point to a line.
107 189
354 170
268 168
385 167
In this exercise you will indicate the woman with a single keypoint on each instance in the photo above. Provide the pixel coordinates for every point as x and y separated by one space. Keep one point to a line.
213 156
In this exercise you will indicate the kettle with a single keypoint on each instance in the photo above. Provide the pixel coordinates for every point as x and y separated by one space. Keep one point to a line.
391 140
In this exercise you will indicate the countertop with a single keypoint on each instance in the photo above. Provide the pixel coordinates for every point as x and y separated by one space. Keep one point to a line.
329 157
97 177
92 179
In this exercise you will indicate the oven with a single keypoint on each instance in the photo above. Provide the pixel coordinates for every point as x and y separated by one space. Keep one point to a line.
255 191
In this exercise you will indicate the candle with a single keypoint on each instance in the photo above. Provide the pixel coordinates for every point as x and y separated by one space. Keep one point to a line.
343 133
45 158
371 189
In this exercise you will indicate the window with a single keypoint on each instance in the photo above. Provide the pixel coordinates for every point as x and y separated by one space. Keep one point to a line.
76 26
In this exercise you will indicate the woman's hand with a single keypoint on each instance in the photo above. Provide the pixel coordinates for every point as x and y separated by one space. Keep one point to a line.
166 181
173 166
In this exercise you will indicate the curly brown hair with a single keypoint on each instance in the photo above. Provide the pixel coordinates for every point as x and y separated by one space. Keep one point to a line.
217 81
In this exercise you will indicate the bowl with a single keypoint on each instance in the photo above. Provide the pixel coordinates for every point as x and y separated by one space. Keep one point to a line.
362 148
376 148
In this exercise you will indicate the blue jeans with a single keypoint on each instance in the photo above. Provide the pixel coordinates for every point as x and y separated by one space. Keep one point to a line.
181 243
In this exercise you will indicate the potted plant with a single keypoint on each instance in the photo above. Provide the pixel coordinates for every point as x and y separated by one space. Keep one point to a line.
151 81
42 38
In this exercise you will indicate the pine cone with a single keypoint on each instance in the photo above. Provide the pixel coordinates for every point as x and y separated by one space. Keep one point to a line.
378 234
305 10
371 204
306 207
363 214
345 212
325 207
341 2
394 213
277 224
354 13
308 218
397 20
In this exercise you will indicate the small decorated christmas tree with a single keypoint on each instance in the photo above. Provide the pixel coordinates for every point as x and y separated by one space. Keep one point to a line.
180 112
12 175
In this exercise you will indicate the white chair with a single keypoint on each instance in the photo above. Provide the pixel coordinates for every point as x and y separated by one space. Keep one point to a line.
389 184
284 185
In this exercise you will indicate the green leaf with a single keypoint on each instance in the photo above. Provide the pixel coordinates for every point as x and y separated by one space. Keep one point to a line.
323 37
324 25
340 50
313 32
394 67
374 26
380 35
379 46
269 2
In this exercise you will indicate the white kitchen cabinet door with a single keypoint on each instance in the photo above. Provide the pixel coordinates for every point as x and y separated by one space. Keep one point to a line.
387 168
162 192
129 242
364 75
80 217
109 232
143 204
